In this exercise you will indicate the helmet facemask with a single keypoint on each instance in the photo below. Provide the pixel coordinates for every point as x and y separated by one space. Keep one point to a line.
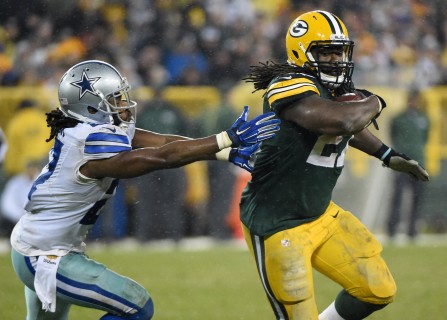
309 41
331 73
117 104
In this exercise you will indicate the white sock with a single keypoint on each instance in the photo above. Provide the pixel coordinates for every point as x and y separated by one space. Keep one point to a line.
330 313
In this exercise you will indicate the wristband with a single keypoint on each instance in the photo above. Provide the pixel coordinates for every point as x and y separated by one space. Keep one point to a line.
223 154
385 153
223 140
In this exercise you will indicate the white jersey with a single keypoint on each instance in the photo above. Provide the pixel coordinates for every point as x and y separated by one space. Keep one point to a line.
62 203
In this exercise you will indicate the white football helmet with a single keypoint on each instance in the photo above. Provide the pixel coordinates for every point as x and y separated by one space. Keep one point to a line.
95 92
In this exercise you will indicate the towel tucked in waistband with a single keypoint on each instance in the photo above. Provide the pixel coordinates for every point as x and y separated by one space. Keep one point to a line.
45 281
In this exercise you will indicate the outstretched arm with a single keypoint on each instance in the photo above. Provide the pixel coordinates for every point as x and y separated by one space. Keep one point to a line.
370 144
144 139
365 141
137 162
129 164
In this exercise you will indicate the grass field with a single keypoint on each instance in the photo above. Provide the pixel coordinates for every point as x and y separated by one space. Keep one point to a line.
221 283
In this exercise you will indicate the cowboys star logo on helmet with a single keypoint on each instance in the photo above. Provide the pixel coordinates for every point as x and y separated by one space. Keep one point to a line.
85 84
98 95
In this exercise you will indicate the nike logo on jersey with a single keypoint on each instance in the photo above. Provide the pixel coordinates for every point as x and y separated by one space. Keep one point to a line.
113 130
336 215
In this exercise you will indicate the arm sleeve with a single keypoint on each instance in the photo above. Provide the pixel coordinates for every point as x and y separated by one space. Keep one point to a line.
106 142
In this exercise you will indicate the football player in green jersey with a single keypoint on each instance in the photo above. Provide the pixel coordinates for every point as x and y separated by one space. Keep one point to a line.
290 223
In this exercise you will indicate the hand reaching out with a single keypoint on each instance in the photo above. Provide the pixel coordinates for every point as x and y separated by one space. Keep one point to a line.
244 157
400 162
246 133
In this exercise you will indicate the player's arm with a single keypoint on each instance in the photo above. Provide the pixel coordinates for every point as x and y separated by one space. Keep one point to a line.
365 141
242 157
144 139
370 144
325 116
137 162
132 163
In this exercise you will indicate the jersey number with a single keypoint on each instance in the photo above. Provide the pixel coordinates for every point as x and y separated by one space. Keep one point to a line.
328 151
92 215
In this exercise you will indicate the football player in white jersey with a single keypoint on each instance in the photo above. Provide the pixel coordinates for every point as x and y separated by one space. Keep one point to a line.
96 144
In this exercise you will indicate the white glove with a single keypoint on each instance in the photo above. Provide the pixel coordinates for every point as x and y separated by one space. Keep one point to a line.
402 163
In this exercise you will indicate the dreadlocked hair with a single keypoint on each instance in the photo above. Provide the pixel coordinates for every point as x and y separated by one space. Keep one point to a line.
262 74
57 121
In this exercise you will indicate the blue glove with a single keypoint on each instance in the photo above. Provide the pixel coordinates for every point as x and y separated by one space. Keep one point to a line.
245 133
244 157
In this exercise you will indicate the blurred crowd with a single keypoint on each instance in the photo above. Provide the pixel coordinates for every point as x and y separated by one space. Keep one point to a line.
158 43
212 42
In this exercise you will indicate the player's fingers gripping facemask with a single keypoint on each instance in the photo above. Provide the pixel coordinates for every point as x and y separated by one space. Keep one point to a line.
95 92
315 34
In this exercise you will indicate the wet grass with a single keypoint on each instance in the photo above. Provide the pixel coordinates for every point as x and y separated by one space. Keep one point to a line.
221 283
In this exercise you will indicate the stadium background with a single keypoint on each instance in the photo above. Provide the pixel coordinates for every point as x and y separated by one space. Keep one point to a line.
195 51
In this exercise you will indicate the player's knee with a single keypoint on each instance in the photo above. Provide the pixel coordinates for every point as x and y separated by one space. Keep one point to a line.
294 295
351 307
381 293
379 287
386 294
145 313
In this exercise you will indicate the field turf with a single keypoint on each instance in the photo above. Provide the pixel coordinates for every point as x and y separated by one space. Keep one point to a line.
220 283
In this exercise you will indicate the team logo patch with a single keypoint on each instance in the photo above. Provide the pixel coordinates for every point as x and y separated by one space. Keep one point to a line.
299 29
85 84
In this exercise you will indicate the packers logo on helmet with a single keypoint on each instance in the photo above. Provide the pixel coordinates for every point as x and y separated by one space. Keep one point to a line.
299 28
313 31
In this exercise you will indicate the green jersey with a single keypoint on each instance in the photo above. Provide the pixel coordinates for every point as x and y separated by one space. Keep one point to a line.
296 171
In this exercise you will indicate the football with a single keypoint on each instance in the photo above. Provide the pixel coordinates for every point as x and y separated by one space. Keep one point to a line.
349 97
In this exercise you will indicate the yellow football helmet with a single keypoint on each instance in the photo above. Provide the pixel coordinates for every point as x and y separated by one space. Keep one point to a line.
316 30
